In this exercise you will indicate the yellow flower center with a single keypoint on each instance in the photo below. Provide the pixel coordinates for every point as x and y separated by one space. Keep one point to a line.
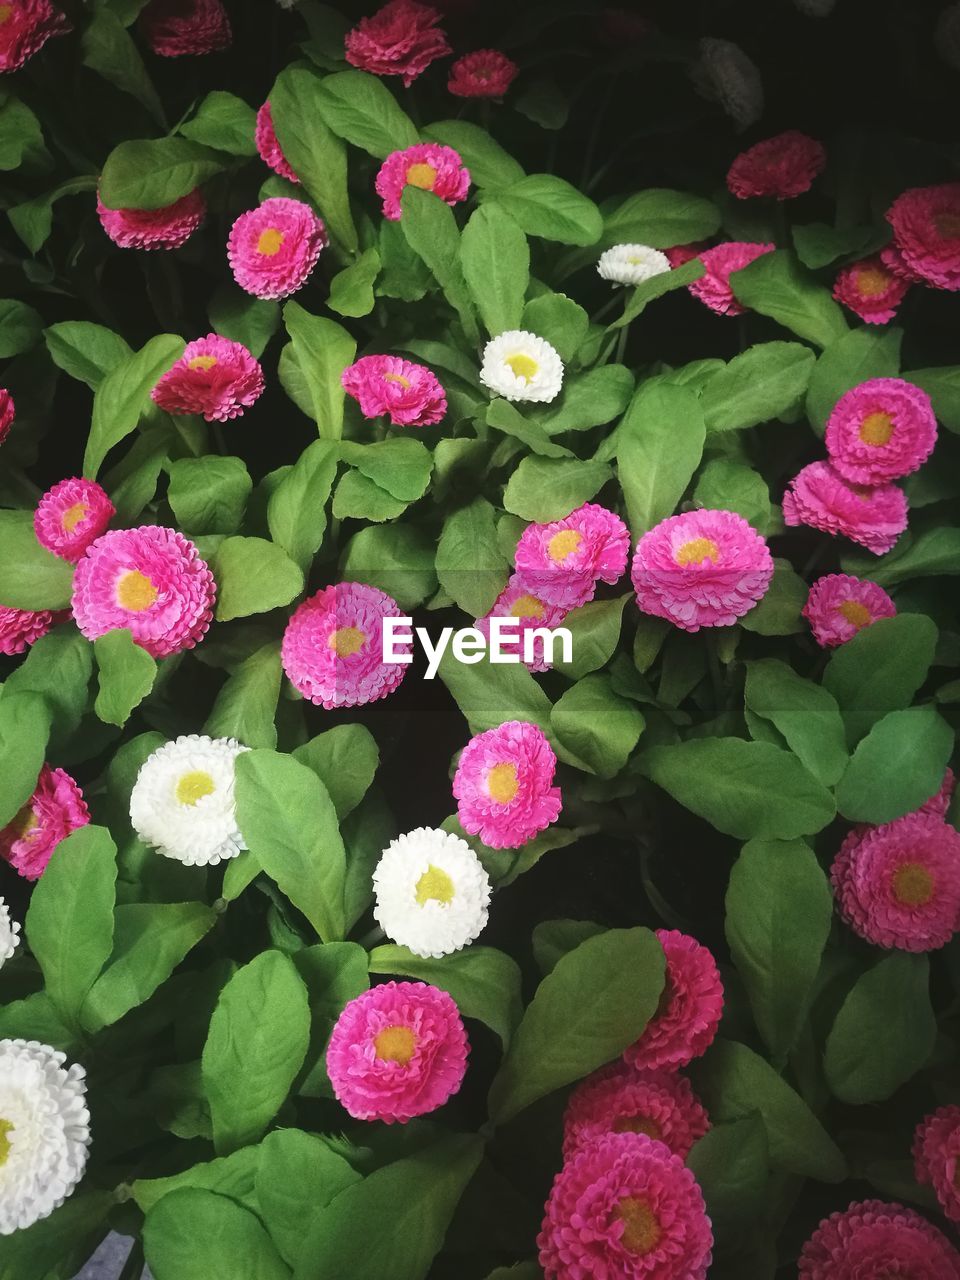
502 783
205 362
527 607
194 786
135 591
395 1044
948 225
638 1124
563 544
876 428
913 885
270 242
25 823
347 641
696 551
857 614
72 516
641 1230
6 1126
872 281
5 12
434 886
422 176
396 377
522 365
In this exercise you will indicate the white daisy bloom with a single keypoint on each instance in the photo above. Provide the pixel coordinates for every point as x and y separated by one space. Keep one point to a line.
182 801
727 75
9 933
432 892
521 366
632 263
44 1132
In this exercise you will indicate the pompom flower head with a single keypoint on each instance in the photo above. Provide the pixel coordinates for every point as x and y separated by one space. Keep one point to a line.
839 606
819 496
177 27
431 893
22 627
871 1239
533 614
620 1099
714 288
427 166
7 413
939 803
268 145
25 27
401 39
880 430
782 167
487 73
926 231
632 263
9 934
214 377
726 75
685 1024
150 581
397 1051
70 516
166 228
44 1132
409 394
521 366
332 648
504 785
563 561
936 1155
898 885
182 803
626 1207
54 810
871 289
273 248
701 569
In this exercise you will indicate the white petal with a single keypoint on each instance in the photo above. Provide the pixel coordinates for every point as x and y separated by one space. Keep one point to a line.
544 382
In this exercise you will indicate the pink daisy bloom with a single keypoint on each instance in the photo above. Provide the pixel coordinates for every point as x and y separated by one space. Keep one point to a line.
25 27
504 785
166 228
839 606
177 27
782 167
871 1239
214 376
894 261
685 1024
401 39
701 569
926 231
819 496
273 248
532 614
625 1207
70 516
680 254
397 1051
880 430
54 810
871 289
713 288
22 627
149 580
409 393
898 885
269 147
487 73
936 1155
427 165
563 561
939 802
620 1099
7 414
332 648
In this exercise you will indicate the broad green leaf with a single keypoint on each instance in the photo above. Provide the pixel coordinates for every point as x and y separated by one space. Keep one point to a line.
897 767
403 273
297 507
868 352
30 577
470 567
192 1234
595 630
124 395
659 447
489 165
209 495
345 760
496 266
727 485
334 974
505 417
431 231
298 1175
242 318
72 1231
818 244
552 939
931 553
323 349
351 290
765 382
21 137
357 497
360 108
253 576
545 489
777 286
33 219
880 669
246 705
399 465
108 49
803 712
231 1176
778 613
398 558
24 731
731 1164
58 666
543 102
490 695
942 385
225 122
547 206
588 400
84 350
127 673
152 173
657 286
597 725
560 320
20 327
660 218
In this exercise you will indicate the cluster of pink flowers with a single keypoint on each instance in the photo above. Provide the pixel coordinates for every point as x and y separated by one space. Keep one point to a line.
166 228
409 394
936 1156
926 235
562 562
871 289
504 785
621 1098
873 1239
175 28
426 165
874 517
782 167
26 28
273 248
268 146
70 516
839 606
214 377
56 808
714 288
20 628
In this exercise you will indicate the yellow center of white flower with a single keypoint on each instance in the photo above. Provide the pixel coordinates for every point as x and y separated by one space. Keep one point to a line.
25 823
913 885
434 886
563 544
696 551
872 281
527 607
6 1127
270 242
641 1230
72 516
502 783
422 176
398 378
135 591
202 362
395 1044
638 1124
857 614
194 786
876 428
522 365
347 641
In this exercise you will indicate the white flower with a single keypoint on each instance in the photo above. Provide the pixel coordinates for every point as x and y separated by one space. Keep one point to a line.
44 1132
521 366
182 801
727 75
632 263
9 934
432 892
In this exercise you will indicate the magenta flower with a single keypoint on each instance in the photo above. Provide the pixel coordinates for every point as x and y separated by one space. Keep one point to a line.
7 414
25 28
926 231
625 1207
872 1239
397 1051
401 39
409 393
54 810
426 165
939 803
880 430
532 614
819 496
214 376
782 167
487 73
839 606
562 562
273 248
936 1155
177 27
620 1099
332 648
22 627
685 1024
504 785
680 254
894 261
268 145
871 289
166 228
149 580
713 288
70 516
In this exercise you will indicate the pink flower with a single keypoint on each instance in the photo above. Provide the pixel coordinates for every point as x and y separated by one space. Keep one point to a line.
214 376
166 228
269 147
427 165
333 646
54 810
782 167
25 27
488 73
562 562
504 785
686 1022
839 606
939 803
936 1155
70 516
625 1207
177 27
714 288
898 885
532 614
22 627
7 414
273 248
926 231
871 1239
880 430
620 1099
681 254
401 39
149 580
410 393
397 1051
820 497
871 289
701 569
894 261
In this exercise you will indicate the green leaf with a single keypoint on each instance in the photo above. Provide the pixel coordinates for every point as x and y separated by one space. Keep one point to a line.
880 669
87 352
351 290
942 385
560 320
127 673
108 49
661 218
552 939
58 666
777 286
253 576
547 206
398 558
30 577
597 725
470 567
544 103
545 489
399 465
21 138
242 318
334 973
496 266
897 767
20 327
193 1234
345 760
323 349
357 497
403 273
778 613
24 731
727 485
209 495
819 245
933 552
588 400
595 631
659 447
124 395
765 382
152 173
246 705
361 109
297 507
489 165
804 713
657 286
731 1164
490 695
225 122
231 1176
37 1252
503 416
298 1175
431 231
851 359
